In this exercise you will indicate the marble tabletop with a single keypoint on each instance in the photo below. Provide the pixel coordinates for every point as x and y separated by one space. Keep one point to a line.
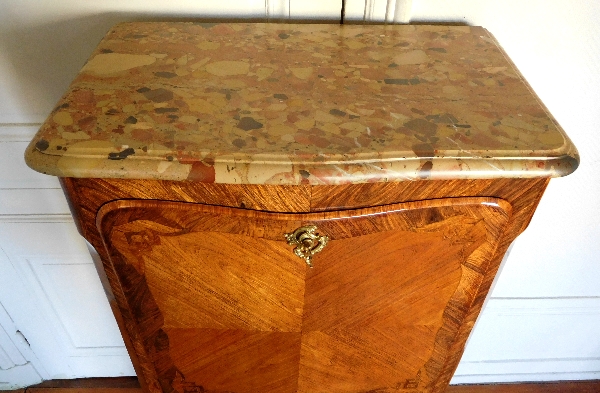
299 104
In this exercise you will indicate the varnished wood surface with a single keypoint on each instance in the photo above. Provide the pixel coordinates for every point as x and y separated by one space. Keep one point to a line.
256 197
88 195
352 196
292 199
234 310
131 385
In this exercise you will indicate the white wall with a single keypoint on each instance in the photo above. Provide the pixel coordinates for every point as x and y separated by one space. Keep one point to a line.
542 320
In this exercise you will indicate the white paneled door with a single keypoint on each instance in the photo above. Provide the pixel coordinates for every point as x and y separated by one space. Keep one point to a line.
57 316
55 321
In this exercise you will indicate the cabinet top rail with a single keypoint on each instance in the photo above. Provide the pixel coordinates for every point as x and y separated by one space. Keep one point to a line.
299 104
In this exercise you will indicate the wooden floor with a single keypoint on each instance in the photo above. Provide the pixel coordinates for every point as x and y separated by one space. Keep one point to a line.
130 385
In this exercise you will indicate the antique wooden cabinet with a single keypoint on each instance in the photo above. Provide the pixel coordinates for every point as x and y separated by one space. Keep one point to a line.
299 208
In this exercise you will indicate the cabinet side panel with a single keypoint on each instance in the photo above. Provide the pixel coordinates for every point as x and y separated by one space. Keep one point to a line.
524 198
85 217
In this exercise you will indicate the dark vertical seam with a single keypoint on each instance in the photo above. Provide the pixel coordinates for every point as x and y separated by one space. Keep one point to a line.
343 12
387 12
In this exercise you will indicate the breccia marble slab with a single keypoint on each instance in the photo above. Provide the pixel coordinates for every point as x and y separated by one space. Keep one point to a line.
300 104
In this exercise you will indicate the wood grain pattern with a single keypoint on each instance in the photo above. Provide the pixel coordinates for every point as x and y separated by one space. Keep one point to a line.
220 304
352 196
248 196
87 196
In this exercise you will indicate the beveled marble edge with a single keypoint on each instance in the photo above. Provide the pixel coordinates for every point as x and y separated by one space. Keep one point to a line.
231 171
334 169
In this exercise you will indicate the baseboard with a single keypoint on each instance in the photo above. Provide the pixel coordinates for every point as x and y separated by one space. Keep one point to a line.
538 387
131 385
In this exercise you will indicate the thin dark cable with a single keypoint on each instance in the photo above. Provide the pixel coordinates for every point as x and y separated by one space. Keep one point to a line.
343 12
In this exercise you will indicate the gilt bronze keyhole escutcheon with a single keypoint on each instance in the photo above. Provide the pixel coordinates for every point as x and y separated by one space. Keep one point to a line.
307 242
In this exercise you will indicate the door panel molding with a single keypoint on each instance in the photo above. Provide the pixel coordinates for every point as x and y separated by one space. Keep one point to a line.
197 286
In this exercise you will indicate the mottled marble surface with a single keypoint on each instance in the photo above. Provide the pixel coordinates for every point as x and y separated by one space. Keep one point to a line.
299 104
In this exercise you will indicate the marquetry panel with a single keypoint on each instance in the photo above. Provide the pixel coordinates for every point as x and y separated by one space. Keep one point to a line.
216 301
